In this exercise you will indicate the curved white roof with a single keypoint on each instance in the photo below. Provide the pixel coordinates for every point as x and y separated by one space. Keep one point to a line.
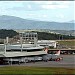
24 46
45 41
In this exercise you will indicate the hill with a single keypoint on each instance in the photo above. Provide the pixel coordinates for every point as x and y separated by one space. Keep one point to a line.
7 33
52 36
72 21
41 35
11 22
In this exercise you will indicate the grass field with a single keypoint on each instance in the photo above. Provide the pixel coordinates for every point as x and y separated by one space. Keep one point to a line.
23 70
69 43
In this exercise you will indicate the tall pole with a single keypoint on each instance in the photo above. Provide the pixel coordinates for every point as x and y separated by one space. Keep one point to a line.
11 60
21 43
7 40
35 41
5 46
59 37
62 37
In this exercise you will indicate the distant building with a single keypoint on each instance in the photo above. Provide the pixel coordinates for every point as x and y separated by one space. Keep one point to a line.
28 35
47 43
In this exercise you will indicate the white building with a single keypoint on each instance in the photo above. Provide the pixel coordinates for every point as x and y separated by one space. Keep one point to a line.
28 35
47 43
32 36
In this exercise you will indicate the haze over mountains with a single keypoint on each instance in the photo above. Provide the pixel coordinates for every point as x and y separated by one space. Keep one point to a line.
11 22
72 21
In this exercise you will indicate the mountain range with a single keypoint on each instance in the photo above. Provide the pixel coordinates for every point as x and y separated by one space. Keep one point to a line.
12 22
72 21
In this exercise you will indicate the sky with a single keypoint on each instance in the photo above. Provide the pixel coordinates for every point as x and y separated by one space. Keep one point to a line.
58 11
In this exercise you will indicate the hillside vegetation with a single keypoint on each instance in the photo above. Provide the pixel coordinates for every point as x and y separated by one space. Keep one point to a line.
7 33
52 36
41 35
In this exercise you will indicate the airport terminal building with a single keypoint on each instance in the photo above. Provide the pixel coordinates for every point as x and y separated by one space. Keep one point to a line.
29 36
48 43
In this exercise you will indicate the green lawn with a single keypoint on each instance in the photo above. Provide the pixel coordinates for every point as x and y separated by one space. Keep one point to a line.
68 43
34 70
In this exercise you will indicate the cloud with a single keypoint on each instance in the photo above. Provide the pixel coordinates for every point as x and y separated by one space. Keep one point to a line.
29 6
35 5
47 6
55 5
34 15
45 16
31 14
52 4
62 6
37 2
65 2
61 16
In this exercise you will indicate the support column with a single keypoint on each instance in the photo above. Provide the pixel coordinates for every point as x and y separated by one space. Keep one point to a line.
4 46
7 40
35 41
10 61
21 43
54 44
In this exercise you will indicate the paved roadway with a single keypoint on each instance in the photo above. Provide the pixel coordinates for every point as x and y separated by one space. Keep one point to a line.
68 61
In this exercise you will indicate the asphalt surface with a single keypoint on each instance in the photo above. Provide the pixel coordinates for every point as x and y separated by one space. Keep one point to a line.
68 61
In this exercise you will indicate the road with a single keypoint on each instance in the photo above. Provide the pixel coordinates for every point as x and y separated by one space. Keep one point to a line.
68 61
